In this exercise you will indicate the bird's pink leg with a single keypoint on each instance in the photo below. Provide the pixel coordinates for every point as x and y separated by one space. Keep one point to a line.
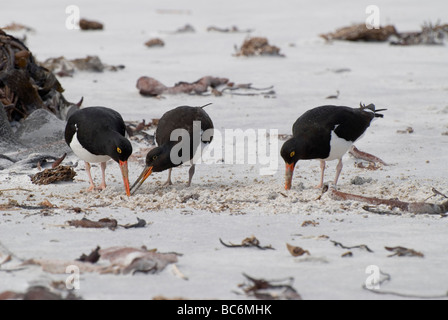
92 185
322 169
103 175
190 174
168 182
338 171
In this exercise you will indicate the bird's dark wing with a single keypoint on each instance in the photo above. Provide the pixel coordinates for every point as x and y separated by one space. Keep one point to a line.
181 118
348 123
91 123
353 124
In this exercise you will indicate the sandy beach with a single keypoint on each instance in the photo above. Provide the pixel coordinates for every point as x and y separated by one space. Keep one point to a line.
229 201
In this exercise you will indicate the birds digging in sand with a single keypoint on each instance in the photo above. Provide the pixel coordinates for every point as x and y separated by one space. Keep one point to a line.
326 133
97 134
193 127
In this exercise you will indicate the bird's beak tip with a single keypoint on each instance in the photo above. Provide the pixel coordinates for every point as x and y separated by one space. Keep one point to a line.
143 176
125 174
289 171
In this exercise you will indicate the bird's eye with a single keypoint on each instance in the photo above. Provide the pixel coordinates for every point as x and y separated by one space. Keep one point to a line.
154 158
292 154
119 150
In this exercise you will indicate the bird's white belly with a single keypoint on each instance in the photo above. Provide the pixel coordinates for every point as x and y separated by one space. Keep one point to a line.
339 147
83 154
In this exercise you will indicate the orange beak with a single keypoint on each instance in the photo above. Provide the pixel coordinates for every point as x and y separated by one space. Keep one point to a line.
125 174
143 176
288 175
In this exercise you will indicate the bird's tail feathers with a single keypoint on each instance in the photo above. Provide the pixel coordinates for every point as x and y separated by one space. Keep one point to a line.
202 107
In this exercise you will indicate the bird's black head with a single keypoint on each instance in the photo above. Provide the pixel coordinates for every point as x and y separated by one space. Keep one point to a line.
290 151
159 159
120 149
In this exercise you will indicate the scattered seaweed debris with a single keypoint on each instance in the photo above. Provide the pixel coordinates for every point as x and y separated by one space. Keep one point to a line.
246 243
64 67
14 26
208 85
52 175
411 207
355 152
258 46
112 260
152 87
101 223
360 32
141 223
85 24
44 205
361 246
296 251
93 257
138 131
187 28
25 86
429 35
270 290
112 224
333 96
155 42
403 252
307 223
232 29
407 130
38 293
385 277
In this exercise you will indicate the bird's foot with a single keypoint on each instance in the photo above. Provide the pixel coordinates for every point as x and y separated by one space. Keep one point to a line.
167 183
93 188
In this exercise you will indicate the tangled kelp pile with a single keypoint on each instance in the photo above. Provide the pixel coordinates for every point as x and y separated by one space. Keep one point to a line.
59 173
428 35
360 32
27 87
24 85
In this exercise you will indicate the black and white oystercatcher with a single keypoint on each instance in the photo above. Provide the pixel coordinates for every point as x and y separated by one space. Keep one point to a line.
326 133
97 134
179 133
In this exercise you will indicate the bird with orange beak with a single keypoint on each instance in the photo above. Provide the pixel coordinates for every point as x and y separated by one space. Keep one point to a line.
189 120
96 135
325 133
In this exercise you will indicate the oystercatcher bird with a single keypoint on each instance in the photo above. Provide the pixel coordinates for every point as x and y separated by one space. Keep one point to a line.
179 133
97 134
326 133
